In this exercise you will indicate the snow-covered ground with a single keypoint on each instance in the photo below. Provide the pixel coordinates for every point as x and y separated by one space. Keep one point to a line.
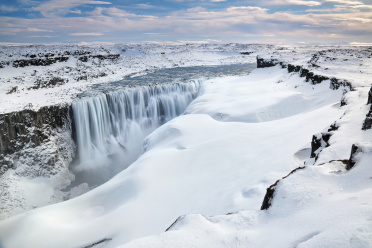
73 69
238 137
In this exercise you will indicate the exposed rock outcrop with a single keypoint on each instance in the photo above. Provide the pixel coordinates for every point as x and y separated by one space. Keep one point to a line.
263 63
39 62
310 76
354 150
317 79
293 68
100 57
368 121
28 129
45 59
319 141
270 192
337 83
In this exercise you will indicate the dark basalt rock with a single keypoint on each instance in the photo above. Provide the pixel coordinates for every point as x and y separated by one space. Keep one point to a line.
310 76
12 90
178 219
319 141
270 192
100 57
283 65
354 150
263 63
269 196
3 64
246 53
293 68
304 72
38 62
368 121
337 83
29 128
84 58
55 81
333 127
98 243
315 79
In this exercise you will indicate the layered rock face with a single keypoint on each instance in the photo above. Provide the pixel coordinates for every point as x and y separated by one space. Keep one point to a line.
22 131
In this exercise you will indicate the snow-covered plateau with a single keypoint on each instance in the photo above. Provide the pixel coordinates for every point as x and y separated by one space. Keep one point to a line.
278 156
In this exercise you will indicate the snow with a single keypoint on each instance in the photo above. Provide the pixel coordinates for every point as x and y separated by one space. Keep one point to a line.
238 137
79 76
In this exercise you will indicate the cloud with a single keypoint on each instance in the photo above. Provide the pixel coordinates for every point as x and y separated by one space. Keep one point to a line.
337 8
27 2
292 2
58 7
244 22
38 30
42 36
5 8
100 11
349 2
86 34
142 6
75 11
217 1
155 34
115 12
246 9
362 7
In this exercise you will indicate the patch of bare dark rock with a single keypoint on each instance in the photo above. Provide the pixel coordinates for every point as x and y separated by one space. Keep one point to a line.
48 83
367 124
319 141
246 53
270 191
29 129
97 243
354 150
263 63
12 90
100 57
39 62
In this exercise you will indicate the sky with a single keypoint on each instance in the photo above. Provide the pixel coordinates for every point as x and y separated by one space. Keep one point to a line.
213 21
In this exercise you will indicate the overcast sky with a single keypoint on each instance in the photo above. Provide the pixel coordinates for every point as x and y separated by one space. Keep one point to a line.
273 21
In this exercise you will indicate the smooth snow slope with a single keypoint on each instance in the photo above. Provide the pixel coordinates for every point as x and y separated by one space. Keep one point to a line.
321 205
218 158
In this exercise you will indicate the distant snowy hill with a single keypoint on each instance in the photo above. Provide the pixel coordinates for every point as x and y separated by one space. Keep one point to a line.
277 158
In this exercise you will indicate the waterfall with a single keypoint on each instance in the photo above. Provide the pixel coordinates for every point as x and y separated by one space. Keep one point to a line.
110 126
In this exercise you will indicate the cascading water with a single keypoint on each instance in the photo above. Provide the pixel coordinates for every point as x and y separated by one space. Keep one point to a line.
110 127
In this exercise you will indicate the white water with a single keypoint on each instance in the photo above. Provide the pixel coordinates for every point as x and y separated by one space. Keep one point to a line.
110 127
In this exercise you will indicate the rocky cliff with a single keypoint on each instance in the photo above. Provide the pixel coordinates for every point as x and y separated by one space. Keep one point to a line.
24 132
